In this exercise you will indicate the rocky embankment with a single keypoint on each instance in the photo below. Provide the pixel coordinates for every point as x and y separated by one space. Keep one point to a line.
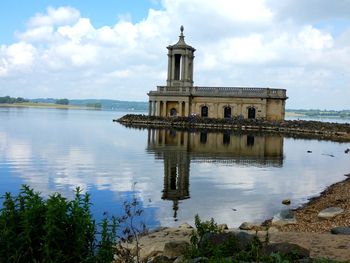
319 229
297 128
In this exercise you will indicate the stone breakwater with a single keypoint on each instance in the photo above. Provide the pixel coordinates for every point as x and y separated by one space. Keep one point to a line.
298 128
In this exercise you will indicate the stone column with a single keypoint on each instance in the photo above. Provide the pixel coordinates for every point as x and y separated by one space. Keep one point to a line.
172 77
180 108
187 108
169 68
157 108
150 103
183 58
164 109
185 67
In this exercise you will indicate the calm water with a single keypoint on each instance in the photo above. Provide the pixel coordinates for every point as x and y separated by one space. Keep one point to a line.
232 178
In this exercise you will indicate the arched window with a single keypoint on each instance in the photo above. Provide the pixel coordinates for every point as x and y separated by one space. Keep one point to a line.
173 112
251 113
227 112
204 111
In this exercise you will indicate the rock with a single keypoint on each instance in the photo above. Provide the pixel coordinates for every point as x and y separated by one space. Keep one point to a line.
174 249
222 226
309 151
286 201
185 226
330 212
244 239
161 259
287 249
340 230
285 217
247 226
180 259
347 150
215 239
200 260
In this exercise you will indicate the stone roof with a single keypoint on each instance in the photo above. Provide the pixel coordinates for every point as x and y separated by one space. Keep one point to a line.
181 44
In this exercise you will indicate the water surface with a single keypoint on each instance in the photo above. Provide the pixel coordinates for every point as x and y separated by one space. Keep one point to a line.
230 177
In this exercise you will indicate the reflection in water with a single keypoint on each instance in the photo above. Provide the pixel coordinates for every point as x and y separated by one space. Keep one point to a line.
59 150
179 148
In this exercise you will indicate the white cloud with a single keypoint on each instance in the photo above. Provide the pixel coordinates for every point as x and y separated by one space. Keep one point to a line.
256 43
59 16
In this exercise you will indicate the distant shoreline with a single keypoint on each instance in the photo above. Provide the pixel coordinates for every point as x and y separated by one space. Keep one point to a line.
44 105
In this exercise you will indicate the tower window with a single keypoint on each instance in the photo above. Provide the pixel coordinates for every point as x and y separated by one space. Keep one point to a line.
178 62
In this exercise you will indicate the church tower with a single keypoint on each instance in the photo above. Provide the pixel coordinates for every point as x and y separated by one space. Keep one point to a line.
180 63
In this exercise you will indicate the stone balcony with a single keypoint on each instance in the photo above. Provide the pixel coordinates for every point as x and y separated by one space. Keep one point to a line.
220 92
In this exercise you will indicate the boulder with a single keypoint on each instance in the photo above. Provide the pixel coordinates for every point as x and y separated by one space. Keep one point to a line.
249 226
185 226
286 249
200 260
222 226
340 230
330 212
160 259
215 239
174 249
286 202
242 238
285 217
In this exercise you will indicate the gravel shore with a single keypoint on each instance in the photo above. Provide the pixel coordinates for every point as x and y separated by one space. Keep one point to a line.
337 195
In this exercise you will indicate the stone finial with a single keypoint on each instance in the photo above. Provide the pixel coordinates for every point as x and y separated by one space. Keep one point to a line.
182 30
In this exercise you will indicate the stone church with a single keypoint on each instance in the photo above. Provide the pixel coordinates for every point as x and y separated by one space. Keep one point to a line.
180 98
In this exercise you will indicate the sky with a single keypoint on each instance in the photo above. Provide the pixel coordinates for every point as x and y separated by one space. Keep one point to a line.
117 49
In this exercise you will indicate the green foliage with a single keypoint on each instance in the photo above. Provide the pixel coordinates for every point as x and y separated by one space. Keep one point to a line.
54 230
62 101
229 250
10 100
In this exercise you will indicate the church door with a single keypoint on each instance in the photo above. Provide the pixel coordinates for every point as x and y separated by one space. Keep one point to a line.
204 111
173 112
251 113
227 112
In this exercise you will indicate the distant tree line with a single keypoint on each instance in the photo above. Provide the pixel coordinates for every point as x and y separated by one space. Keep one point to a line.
10 100
62 101
322 113
94 105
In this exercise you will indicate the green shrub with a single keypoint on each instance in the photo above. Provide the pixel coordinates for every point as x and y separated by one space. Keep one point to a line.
33 229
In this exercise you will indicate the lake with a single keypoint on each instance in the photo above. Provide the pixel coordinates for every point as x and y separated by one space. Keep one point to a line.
231 177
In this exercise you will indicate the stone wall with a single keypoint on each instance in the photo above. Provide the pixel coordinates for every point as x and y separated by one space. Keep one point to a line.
311 129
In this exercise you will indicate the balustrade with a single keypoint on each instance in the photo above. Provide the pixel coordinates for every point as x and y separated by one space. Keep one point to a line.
225 91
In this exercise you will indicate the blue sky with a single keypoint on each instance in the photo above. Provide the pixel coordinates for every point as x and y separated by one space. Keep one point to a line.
117 49
15 13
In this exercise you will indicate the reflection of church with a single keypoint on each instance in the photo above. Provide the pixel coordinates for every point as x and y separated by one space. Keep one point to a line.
179 148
